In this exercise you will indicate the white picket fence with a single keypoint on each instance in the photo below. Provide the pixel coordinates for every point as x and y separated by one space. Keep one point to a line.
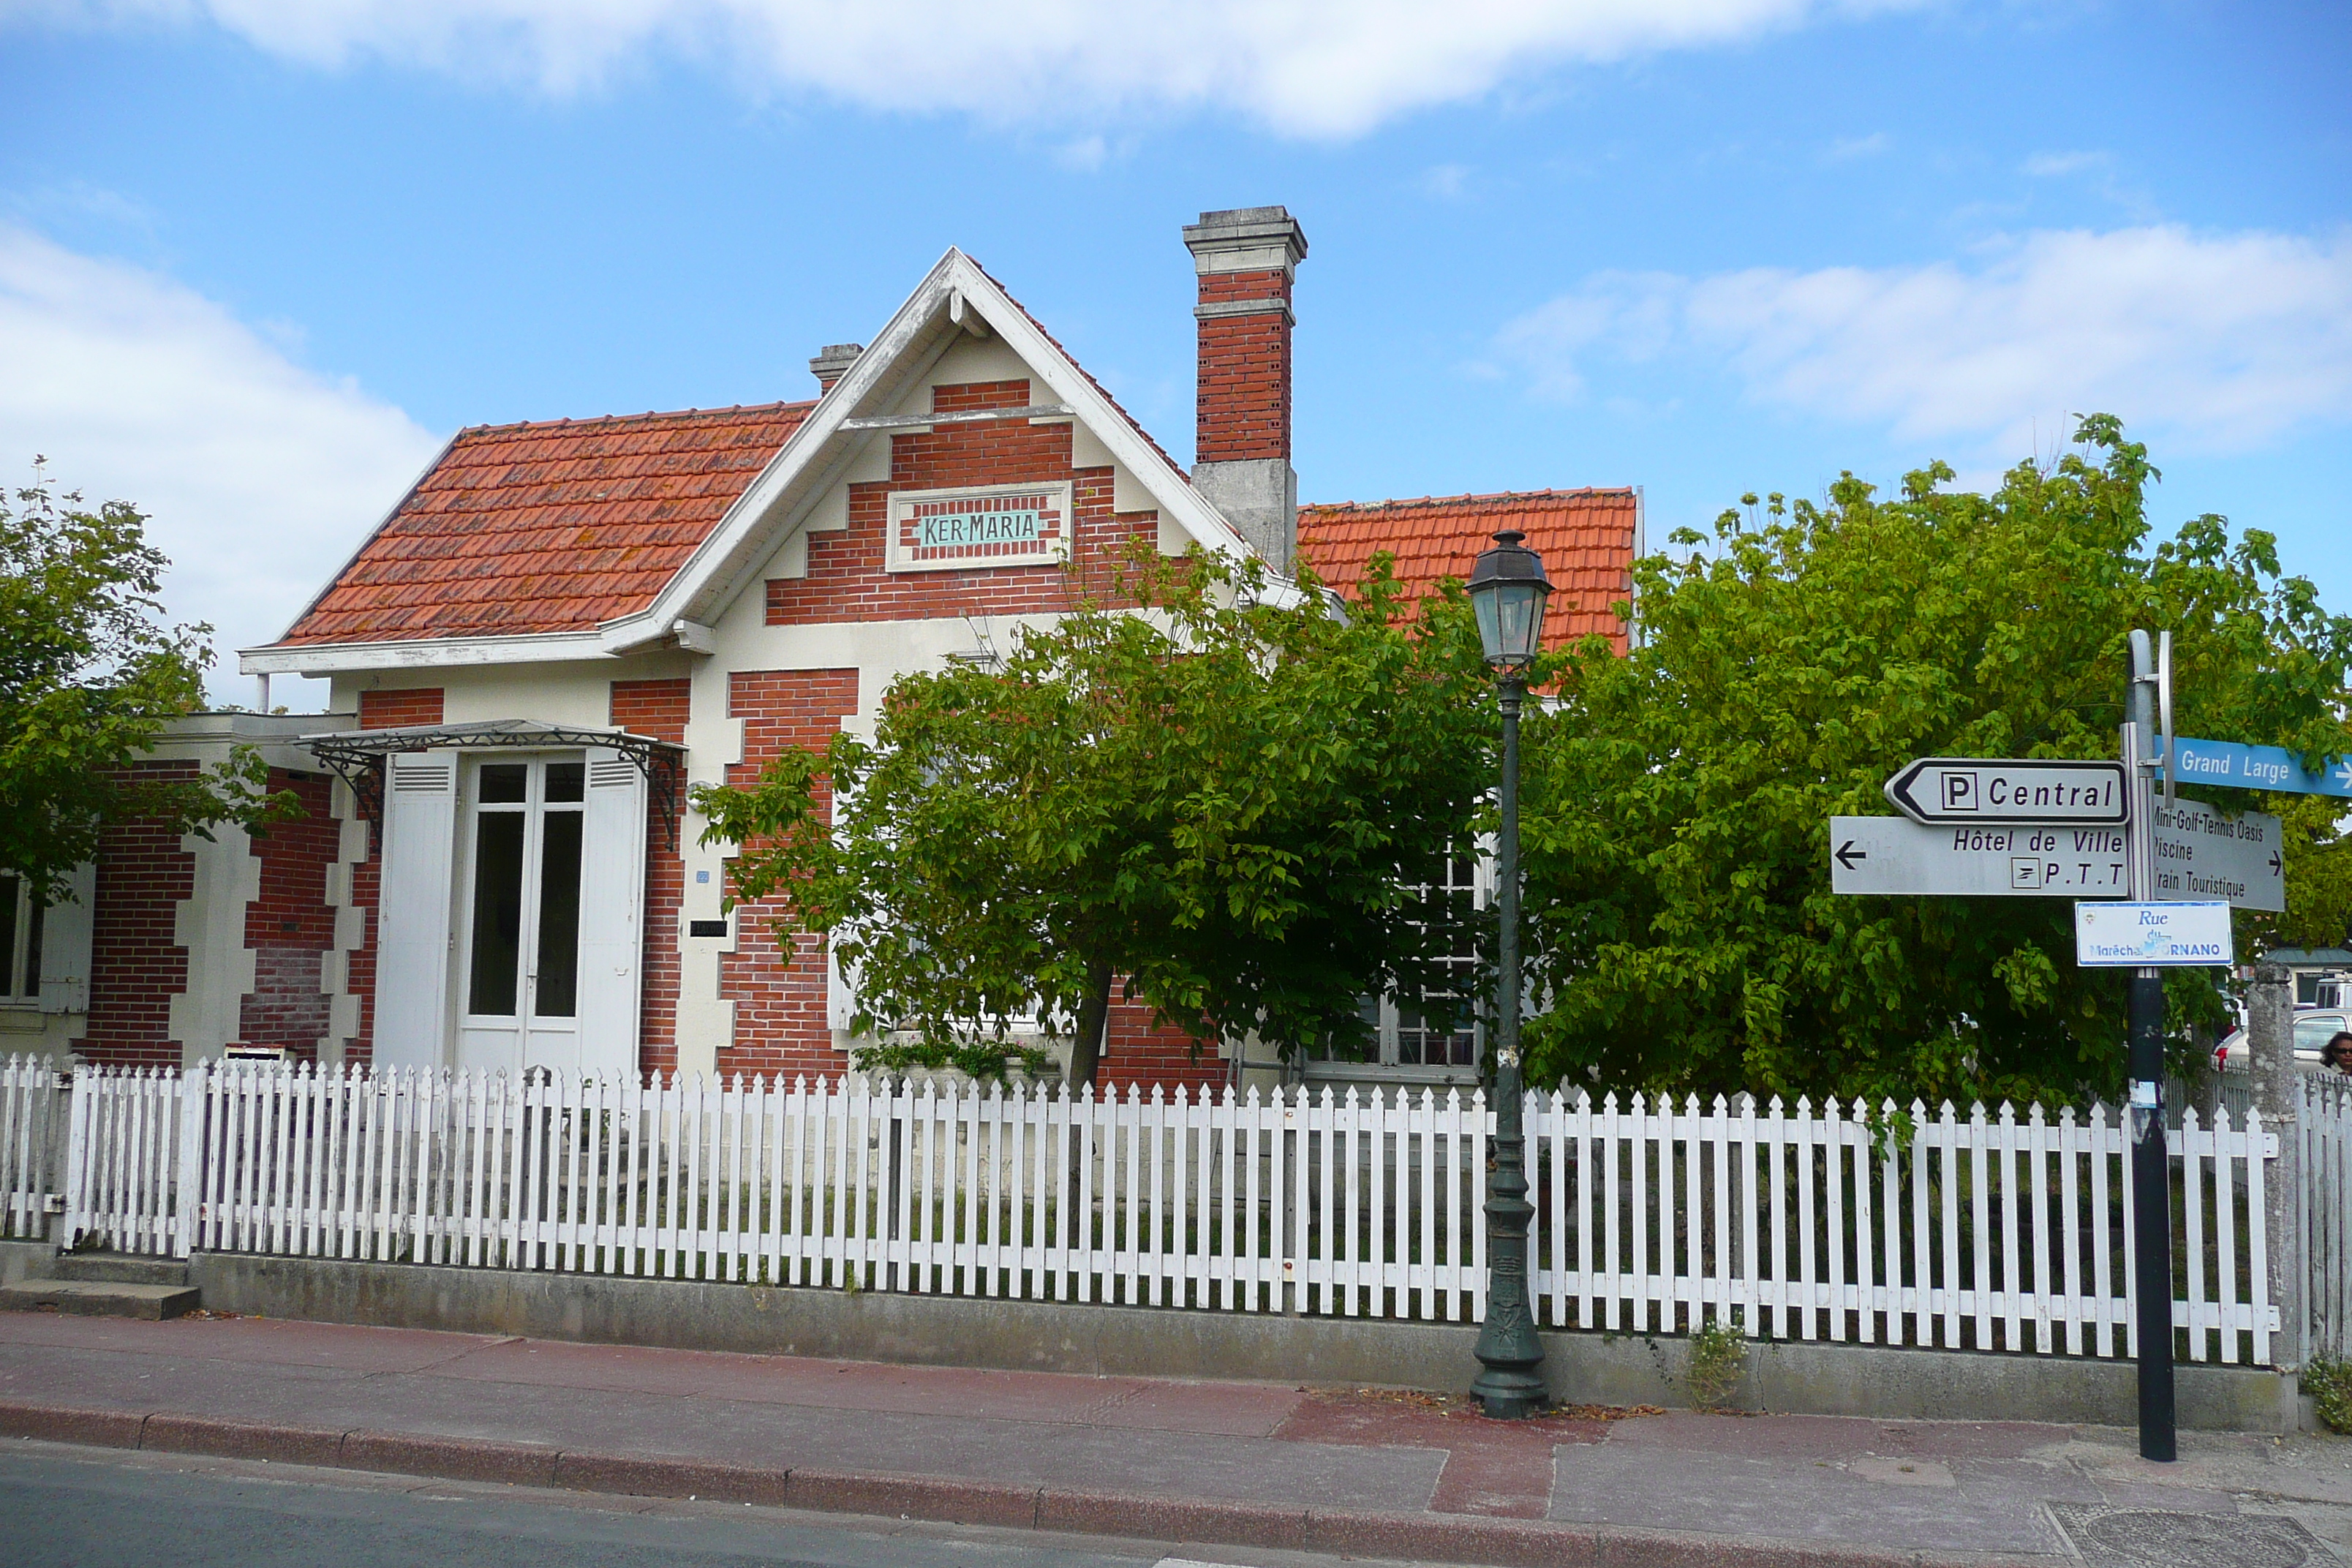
31 1111
1987 1231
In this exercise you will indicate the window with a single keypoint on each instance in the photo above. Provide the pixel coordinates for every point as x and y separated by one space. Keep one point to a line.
2312 1032
20 941
523 936
1438 1028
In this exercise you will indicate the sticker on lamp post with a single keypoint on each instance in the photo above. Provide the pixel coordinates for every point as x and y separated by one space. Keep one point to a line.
2135 936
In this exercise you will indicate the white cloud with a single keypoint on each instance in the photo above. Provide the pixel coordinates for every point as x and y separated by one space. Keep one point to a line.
259 477
1845 148
1445 182
1324 68
1083 155
2051 165
2225 341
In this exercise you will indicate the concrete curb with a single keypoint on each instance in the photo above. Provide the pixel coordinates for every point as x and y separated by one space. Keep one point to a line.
1432 1538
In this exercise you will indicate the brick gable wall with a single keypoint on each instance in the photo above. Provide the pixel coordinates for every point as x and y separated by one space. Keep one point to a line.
660 709
846 580
780 1003
291 927
135 966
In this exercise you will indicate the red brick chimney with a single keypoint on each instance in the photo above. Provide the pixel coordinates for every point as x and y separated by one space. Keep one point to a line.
1247 259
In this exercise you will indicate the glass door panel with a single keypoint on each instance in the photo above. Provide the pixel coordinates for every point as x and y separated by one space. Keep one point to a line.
496 959
559 917
521 944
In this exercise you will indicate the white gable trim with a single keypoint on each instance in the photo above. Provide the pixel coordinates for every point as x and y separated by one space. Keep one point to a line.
423 653
944 305
956 298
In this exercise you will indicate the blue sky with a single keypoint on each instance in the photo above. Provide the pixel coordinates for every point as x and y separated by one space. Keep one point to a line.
257 256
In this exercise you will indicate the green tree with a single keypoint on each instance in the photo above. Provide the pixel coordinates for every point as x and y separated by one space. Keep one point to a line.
1215 798
88 673
1678 798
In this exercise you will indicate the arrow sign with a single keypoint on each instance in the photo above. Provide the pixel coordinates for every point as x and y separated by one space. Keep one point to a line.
1888 855
2233 858
2256 767
1973 790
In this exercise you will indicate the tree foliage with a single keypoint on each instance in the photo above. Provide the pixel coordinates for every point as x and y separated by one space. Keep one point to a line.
1678 798
1215 799
88 673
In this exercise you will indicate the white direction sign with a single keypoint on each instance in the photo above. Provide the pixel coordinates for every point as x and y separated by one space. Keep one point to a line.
1956 790
2131 936
2204 854
1889 855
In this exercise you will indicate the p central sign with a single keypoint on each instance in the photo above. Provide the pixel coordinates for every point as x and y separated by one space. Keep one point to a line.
1974 791
998 525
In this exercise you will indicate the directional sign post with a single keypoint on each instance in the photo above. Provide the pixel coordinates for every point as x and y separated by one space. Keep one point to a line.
2093 832
1958 791
2234 857
2239 766
1887 855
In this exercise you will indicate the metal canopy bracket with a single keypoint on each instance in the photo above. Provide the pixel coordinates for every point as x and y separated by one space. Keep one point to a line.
357 756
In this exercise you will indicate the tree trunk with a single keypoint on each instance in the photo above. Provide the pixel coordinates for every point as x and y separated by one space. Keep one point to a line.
1094 1020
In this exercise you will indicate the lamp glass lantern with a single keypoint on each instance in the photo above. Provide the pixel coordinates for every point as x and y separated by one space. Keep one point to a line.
1508 590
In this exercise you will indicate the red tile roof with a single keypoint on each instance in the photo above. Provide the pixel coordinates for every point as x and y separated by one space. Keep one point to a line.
548 527
1585 537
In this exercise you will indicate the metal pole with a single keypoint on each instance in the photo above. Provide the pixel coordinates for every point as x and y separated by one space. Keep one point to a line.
2151 1168
1508 1383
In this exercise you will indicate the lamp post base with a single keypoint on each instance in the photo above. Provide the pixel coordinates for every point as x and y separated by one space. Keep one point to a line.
1509 1383
1509 1392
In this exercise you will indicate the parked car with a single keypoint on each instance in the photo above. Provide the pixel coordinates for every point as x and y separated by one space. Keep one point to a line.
2313 1029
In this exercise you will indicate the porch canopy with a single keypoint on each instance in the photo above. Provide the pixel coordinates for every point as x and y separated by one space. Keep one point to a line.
356 756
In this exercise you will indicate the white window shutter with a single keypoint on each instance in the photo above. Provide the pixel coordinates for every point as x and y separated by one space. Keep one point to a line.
612 913
66 928
840 990
412 917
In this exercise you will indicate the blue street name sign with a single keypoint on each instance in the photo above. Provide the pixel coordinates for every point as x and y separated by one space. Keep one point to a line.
2256 767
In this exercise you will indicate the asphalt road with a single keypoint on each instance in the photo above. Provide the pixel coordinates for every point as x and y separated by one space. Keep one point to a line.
98 1508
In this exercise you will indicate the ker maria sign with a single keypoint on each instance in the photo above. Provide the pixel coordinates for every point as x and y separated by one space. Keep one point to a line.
1001 525
987 522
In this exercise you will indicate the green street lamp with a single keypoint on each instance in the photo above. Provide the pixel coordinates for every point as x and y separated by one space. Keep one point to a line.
1507 589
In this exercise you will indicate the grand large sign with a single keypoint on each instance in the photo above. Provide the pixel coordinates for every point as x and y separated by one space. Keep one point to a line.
997 525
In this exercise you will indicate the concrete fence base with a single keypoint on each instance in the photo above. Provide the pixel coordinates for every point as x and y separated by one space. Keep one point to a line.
1795 1377
1808 1378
